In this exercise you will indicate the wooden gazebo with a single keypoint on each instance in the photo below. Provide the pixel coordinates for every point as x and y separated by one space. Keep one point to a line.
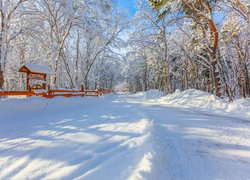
39 73
35 72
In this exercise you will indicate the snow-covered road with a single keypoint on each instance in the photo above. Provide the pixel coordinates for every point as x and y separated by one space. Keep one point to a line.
119 137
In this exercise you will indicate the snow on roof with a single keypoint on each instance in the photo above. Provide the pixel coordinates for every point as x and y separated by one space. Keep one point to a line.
38 68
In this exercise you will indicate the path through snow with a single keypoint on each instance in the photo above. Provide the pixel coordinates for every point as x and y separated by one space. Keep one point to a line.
119 137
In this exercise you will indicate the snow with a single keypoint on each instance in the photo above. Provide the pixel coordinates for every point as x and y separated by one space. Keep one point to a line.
150 94
193 98
38 68
41 91
121 136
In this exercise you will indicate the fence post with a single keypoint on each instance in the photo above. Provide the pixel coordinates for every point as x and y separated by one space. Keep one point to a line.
48 89
101 93
44 86
82 89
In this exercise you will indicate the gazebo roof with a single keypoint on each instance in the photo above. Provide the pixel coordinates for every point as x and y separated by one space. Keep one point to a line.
35 68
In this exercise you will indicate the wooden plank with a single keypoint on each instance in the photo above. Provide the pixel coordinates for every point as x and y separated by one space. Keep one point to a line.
91 91
68 95
65 95
91 95
64 91
37 76
52 93
17 93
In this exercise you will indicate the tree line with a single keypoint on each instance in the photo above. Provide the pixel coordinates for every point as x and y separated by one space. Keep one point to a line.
77 39
184 44
171 44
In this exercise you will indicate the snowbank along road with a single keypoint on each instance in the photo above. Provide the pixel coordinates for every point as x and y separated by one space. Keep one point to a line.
119 137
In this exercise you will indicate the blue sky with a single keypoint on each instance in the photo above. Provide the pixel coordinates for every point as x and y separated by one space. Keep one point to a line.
127 4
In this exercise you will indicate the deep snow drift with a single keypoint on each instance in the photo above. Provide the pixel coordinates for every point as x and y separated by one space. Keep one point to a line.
138 136
198 99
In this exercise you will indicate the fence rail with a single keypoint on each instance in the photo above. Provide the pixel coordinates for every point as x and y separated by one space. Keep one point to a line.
59 92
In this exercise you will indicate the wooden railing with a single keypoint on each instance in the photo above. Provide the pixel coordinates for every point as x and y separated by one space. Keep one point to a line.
59 92
20 93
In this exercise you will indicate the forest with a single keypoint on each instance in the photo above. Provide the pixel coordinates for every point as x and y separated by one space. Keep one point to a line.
125 89
167 45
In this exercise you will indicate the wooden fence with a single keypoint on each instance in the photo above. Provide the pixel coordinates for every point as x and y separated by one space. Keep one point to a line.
60 92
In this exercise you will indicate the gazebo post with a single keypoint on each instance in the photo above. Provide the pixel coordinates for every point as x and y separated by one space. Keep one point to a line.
28 82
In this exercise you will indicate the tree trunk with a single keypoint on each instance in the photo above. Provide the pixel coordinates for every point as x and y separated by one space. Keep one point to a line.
248 52
182 79
2 46
214 61
77 58
216 75
247 80
243 87
1 77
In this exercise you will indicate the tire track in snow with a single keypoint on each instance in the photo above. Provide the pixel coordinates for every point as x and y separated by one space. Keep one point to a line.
166 155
